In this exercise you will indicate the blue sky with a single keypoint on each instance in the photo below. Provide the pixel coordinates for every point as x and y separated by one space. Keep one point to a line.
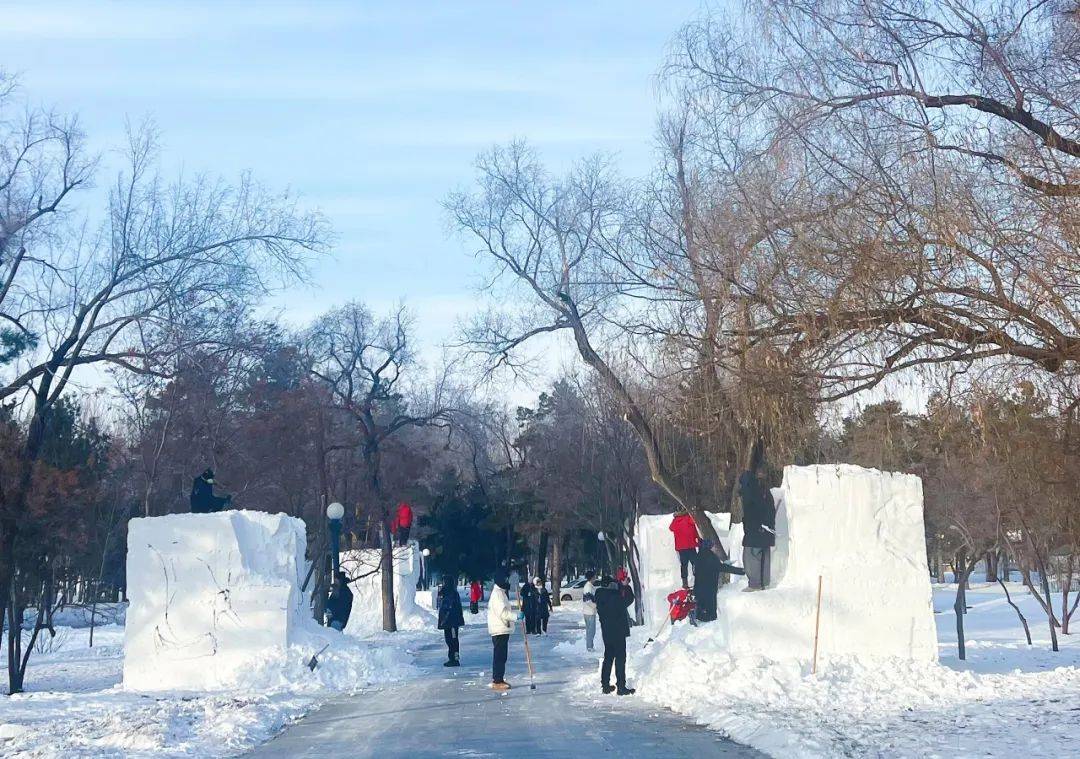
371 111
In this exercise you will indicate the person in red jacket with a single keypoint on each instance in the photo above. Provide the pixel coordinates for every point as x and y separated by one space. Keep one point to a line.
476 595
403 523
686 543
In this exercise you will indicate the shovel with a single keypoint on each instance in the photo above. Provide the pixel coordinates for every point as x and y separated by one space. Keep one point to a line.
314 662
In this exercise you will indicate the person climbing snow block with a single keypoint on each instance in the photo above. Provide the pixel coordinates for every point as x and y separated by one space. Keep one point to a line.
686 543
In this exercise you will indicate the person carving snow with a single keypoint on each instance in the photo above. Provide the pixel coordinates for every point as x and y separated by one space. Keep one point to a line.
759 528
500 619
403 523
339 603
686 542
203 500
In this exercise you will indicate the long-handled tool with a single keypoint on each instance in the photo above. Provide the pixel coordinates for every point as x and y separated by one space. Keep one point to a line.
528 656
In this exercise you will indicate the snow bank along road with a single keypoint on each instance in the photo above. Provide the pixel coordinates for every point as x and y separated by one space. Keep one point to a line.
452 712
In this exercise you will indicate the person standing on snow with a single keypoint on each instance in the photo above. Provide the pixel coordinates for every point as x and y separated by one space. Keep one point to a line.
402 524
451 620
476 595
686 542
588 609
500 619
612 601
759 527
202 498
530 607
707 570
544 605
339 603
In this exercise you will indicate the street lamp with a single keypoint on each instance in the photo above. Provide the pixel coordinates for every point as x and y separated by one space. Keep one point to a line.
335 512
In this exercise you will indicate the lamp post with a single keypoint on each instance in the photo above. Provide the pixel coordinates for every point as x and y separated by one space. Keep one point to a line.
607 551
335 512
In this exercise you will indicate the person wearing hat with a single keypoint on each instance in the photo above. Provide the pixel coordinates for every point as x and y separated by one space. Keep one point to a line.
451 619
501 617
612 601
203 500
543 605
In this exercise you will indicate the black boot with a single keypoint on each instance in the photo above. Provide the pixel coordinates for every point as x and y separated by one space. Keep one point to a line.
624 691
607 689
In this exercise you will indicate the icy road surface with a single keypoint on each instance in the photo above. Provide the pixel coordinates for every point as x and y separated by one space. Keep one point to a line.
453 712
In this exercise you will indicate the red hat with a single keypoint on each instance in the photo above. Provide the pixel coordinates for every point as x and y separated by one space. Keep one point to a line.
621 575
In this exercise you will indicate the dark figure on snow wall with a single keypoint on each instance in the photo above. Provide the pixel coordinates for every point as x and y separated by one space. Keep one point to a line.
402 524
339 603
451 620
759 527
500 619
612 601
530 607
203 500
476 595
686 543
544 605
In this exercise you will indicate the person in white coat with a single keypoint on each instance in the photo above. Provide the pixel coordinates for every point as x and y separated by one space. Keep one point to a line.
501 617
588 609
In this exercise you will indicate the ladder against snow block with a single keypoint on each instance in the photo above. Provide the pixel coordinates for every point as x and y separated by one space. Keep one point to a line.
211 596
658 564
861 531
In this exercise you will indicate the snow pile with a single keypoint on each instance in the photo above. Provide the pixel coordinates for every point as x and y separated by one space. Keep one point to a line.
213 598
1023 704
658 563
74 706
363 566
861 531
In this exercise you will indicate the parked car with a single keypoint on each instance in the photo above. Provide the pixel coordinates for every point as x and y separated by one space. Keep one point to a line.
573 591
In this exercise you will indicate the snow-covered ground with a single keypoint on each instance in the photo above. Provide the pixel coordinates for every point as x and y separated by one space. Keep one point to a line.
75 705
1007 699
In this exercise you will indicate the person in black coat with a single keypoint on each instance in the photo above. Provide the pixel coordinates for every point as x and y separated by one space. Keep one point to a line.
707 573
543 606
339 603
451 620
759 528
530 606
203 500
612 601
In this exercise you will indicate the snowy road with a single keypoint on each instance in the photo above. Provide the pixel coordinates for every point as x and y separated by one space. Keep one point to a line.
448 712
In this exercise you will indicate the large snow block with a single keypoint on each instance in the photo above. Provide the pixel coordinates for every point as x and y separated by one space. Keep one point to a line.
211 595
861 531
658 563
363 566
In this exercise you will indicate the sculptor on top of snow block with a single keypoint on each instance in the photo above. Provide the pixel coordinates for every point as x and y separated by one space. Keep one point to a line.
211 596
861 531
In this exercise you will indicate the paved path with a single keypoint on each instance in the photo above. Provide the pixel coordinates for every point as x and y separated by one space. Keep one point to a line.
452 712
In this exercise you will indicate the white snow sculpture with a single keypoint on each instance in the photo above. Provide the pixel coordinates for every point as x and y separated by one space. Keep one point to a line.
658 564
861 531
363 564
211 595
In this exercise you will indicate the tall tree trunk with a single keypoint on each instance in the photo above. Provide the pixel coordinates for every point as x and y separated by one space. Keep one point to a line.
541 554
556 570
960 605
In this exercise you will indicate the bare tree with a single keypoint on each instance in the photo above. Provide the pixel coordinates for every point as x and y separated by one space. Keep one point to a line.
170 268
370 369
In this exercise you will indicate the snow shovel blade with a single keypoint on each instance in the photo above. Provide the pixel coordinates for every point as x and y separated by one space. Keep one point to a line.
314 662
